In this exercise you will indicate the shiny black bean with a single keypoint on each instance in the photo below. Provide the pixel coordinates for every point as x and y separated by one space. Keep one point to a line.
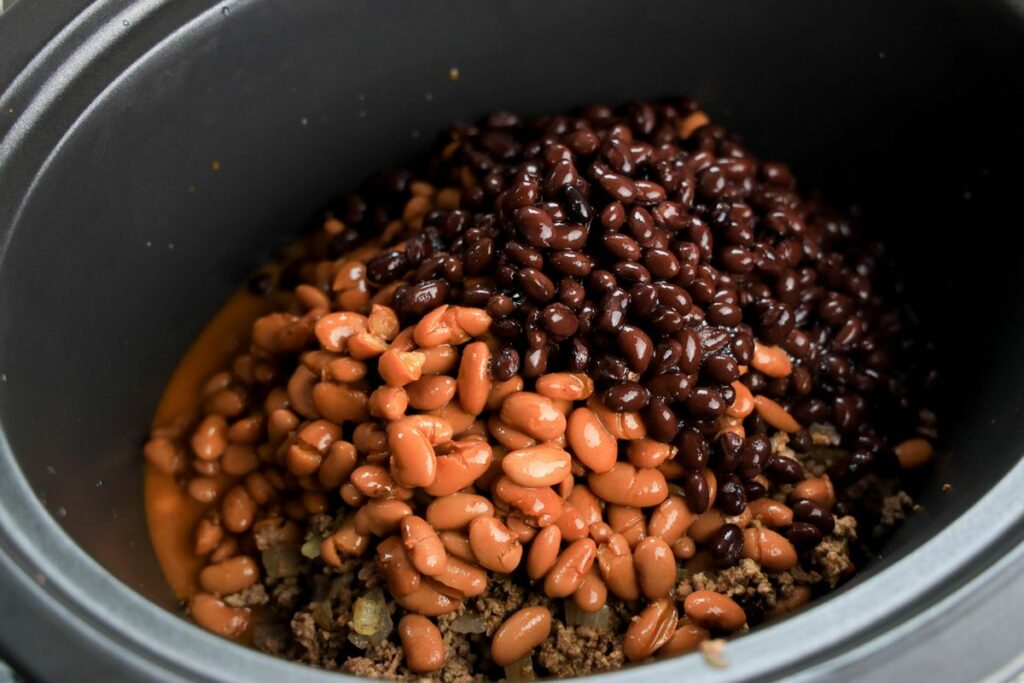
726 545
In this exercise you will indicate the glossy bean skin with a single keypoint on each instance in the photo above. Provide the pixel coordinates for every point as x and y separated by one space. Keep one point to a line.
541 465
775 415
648 452
469 580
502 390
431 599
456 511
688 637
714 611
533 414
430 392
238 510
230 576
543 552
817 490
770 549
590 441
457 544
333 330
412 440
565 386
771 512
421 643
474 380
671 519
494 545
403 578
467 460
655 567
520 634
615 560
625 484
215 616
627 425
592 593
650 630
507 436
572 565
628 521
541 504
423 546
380 517
586 503
771 361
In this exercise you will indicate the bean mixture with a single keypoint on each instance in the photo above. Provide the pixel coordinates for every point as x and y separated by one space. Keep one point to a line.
570 393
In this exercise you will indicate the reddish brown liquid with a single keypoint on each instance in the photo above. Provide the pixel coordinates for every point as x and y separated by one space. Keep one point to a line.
171 514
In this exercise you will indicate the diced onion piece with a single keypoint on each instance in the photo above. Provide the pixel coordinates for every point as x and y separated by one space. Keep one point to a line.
521 670
599 620
281 560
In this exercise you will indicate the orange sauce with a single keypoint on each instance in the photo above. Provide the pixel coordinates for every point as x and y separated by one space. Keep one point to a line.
171 514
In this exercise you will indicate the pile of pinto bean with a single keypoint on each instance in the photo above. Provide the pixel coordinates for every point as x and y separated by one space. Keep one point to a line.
563 358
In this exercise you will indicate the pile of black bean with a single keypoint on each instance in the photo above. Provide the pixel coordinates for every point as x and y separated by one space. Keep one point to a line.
647 247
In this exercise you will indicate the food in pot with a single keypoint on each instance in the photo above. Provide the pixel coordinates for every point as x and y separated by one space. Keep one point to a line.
570 393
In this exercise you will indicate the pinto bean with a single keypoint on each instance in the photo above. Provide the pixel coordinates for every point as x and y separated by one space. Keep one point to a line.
421 643
541 504
540 465
590 441
572 564
520 634
625 484
422 544
543 552
649 630
534 414
215 616
474 379
412 440
494 545
457 510
714 611
466 461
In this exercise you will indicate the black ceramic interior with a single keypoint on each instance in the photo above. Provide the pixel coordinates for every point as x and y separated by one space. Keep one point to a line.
119 237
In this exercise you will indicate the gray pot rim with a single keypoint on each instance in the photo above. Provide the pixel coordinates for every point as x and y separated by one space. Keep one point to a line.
65 46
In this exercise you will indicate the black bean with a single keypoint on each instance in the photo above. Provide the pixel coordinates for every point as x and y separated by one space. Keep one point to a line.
804 535
423 297
728 451
783 470
726 545
660 420
706 402
693 449
732 497
721 369
576 204
756 451
696 491
535 362
636 347
386 267
560 320
627 396
570 262
812 513
536 285
505 363
613 310
499 306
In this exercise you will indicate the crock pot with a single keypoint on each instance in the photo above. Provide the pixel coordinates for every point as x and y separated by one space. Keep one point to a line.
153 153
